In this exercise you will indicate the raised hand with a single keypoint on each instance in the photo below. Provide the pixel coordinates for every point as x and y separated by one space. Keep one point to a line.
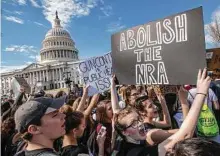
113 79
85 89
183 93
101 138
203 82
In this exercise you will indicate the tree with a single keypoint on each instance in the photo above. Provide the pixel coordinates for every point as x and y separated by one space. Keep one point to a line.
213 30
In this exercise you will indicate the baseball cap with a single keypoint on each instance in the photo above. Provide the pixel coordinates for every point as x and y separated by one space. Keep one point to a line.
34 110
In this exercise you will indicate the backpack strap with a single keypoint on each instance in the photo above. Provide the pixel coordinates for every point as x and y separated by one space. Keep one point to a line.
20 153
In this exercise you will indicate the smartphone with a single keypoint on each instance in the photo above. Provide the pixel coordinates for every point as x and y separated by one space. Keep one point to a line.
102 130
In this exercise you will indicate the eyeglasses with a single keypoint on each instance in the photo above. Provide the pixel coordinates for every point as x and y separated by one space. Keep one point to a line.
135 124
135 94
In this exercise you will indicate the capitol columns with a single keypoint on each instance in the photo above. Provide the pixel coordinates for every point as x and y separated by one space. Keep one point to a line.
60 74
57 71
40 76
37 79
29 78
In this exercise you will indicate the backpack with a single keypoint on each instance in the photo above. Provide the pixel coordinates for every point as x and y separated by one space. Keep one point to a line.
207 125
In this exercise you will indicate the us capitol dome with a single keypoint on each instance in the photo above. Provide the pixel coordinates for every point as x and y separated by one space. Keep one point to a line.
58 45
58 62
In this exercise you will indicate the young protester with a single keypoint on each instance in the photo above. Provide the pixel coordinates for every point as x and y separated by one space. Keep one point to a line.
130 128
75 125
189 124
104 116
131 94
148 111
86 106
40 123
128 124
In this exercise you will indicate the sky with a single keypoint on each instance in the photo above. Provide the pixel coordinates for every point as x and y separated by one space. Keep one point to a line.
24 23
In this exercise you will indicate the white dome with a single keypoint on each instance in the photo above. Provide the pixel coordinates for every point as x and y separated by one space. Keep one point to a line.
57 31
58 45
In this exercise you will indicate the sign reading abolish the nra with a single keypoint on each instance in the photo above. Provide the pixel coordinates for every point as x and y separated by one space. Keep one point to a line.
167 51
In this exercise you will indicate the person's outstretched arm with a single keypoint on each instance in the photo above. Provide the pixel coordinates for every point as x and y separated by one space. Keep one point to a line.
92 104
189 124
182 93
114 97
166 115
83 99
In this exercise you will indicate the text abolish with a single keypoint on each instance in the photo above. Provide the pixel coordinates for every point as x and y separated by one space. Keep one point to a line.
167 31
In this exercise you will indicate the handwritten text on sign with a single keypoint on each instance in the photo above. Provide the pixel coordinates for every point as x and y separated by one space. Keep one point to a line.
97 72
148 50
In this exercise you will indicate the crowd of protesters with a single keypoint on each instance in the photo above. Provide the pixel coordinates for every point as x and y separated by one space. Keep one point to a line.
127 120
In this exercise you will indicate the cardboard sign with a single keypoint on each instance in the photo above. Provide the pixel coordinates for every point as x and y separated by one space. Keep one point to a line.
17 83
96 72
168 51
214 63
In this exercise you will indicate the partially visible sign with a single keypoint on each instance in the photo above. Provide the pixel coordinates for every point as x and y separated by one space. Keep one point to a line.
17 83
96 72
209 55
214 62
168 51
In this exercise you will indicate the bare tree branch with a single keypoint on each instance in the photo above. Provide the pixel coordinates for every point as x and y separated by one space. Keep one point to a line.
213 30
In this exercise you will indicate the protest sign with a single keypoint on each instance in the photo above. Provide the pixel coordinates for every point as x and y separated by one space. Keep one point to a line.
96 72
17 83
168 51
214 59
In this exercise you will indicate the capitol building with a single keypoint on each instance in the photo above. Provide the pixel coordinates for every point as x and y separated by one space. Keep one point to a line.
58 60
